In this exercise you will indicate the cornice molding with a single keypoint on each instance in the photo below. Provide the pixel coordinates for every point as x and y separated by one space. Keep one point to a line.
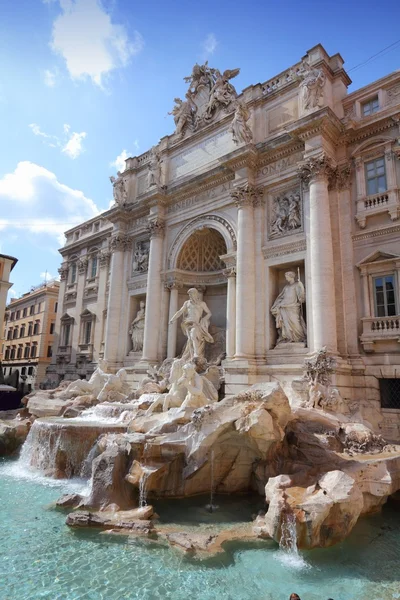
376 232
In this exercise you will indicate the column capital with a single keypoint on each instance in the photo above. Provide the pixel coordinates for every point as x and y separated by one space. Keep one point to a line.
120 243
316 167
229 272
104 258
173 285
63 271
156 228
82 265
343 177
247 195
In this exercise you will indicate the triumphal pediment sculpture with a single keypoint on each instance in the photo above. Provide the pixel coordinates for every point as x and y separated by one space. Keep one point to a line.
210 92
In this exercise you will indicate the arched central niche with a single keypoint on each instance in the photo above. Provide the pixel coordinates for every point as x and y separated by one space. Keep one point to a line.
202 251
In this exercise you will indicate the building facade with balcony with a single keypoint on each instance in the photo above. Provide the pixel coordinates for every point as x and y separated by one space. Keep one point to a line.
29 336
293 175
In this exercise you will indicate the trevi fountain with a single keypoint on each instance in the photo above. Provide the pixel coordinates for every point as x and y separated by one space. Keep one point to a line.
155 479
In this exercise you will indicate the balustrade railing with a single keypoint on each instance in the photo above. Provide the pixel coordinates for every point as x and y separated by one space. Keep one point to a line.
374 201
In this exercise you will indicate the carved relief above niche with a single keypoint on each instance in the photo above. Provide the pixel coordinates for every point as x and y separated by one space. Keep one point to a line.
285 213
140 262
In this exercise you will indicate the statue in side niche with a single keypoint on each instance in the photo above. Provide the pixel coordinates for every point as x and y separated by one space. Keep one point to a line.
194 325
241 132
136 330
287 310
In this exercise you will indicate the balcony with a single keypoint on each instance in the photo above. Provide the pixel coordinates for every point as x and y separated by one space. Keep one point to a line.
387 202
379 329
85 351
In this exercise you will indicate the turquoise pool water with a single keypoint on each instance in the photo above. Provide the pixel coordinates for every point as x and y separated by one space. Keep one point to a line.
41 558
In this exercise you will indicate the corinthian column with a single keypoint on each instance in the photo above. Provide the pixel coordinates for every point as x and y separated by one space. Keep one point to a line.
113 351
172 327
245 196
315 172
154 288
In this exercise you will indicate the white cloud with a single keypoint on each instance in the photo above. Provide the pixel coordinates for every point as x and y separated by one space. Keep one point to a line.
119 162
46 276
34 200
210 44
70 144
91 45
73 148
49 77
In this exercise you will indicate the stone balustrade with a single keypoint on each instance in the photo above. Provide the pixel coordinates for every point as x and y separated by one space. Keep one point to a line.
377 329
379 200
388 202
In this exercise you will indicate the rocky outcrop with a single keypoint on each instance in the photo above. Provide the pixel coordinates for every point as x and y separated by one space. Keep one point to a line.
330 480
13 431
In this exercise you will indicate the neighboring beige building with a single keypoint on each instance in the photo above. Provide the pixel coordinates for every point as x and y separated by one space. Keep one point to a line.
7 263
292 175
29 335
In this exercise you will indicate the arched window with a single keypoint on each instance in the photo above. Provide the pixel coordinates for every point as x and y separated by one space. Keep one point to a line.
72 271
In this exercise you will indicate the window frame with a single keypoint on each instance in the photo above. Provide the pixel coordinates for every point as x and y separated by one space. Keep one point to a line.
385 304
376 177
370 103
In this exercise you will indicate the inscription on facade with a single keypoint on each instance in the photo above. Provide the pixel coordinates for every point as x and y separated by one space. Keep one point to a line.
280 165
203 153
194 200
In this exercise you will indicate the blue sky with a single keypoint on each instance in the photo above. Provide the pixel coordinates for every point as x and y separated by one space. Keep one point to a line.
84 81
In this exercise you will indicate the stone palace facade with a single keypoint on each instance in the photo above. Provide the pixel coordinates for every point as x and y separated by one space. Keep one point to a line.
281 205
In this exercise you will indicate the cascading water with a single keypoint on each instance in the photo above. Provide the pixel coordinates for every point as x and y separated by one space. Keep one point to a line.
143 480
211 507
289 553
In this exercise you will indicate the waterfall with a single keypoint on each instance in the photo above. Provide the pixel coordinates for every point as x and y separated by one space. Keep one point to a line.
288 554
288 541
142 487
211 507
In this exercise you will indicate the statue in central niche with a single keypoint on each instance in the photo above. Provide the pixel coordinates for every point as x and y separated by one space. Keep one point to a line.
194 325
288 312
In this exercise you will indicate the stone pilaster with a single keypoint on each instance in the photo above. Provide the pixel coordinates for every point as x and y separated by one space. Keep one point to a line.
120 243
230 273
316 173
245 196
154 287
80 287
104 261
172 327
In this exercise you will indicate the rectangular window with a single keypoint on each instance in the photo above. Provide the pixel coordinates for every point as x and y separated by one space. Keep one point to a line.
27 350
36 328
19 352
88 332
25 312
7 354
67 332
52 325
30 370
12 355
33 350
370 107
30 329
93 271
49 351
55 306
390 393
9 334
22 331
385 300
17 316
375 176
32 309
12 316
73 273
15 333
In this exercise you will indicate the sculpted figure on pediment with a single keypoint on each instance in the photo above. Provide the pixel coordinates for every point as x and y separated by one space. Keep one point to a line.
223 92
119 189
241 132
154 174
183 113
312 87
